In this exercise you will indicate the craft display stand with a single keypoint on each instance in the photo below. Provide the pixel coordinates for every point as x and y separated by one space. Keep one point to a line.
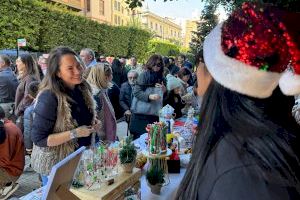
159 160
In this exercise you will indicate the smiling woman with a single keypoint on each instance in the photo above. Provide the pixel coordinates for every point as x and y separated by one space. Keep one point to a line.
27 73
70 71
64 112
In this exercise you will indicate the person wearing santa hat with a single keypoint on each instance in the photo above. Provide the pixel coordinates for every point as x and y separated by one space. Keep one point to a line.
245 147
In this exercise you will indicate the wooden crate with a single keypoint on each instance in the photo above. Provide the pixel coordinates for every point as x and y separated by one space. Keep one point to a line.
112 192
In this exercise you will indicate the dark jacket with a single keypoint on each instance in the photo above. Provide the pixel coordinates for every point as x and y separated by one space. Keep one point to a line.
231 173
139 121
176 102
126 96
46 114
114 95
145 79
28 119
22 101
174 69
8 85
188 65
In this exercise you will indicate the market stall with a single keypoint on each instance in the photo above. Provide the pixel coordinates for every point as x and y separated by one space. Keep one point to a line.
100 176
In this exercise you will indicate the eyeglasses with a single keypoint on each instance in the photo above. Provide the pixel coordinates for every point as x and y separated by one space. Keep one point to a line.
158 65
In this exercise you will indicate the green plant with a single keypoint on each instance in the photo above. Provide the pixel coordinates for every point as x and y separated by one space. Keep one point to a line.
164 48
128 152
46 26
155 175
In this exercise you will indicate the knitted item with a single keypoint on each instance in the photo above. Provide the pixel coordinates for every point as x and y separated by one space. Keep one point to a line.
173 82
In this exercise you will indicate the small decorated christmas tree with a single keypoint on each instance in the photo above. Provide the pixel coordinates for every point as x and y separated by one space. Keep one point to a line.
127 155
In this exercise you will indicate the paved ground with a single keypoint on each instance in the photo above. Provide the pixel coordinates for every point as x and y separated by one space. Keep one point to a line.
29 180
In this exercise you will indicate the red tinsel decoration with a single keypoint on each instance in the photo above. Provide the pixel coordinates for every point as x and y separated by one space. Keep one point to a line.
258 36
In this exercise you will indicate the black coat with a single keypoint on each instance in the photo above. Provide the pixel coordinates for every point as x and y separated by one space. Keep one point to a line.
8 85
126 96
176 102
46 115
232 174
114 94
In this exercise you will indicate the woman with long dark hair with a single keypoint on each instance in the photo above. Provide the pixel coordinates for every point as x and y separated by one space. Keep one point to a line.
245 146
27 73
152 77
119 72
64 112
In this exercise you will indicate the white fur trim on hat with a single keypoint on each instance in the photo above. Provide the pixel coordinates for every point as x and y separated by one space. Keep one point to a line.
173 82
234 74
289 83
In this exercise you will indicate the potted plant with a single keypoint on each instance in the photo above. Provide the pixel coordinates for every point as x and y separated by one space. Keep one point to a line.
155 179
127 155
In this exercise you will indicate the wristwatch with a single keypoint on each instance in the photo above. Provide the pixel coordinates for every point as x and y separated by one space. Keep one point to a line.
73 134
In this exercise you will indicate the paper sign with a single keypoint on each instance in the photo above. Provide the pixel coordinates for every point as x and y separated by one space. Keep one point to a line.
21 42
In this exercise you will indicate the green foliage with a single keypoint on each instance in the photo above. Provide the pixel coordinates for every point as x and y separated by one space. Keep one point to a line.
46 26
155 175
163 48
128 152
208 21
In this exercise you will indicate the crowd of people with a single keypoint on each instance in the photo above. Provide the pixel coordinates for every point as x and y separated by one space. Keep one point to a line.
246 145
67 100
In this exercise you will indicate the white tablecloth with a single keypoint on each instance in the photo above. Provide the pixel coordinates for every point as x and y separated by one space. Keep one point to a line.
168 192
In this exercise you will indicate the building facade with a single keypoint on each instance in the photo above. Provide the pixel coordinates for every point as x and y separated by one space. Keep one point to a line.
163 28
98 10
122 15
76 5
190 27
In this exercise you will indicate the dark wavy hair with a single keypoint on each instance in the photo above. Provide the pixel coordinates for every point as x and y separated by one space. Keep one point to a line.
31 67
116 66
183 72
153 77
51 81
266 127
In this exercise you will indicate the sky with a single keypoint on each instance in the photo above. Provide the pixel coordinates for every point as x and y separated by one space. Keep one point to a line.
180 10
185 9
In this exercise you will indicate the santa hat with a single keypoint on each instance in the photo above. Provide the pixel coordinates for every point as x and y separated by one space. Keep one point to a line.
173 82
254 50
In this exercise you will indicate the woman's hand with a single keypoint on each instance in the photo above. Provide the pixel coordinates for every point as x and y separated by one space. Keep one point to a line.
97 125
154 97
162 86
84 131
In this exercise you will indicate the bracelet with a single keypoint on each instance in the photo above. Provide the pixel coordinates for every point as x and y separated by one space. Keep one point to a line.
73 134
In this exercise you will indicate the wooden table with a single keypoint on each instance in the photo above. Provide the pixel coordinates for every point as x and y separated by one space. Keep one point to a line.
112 192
